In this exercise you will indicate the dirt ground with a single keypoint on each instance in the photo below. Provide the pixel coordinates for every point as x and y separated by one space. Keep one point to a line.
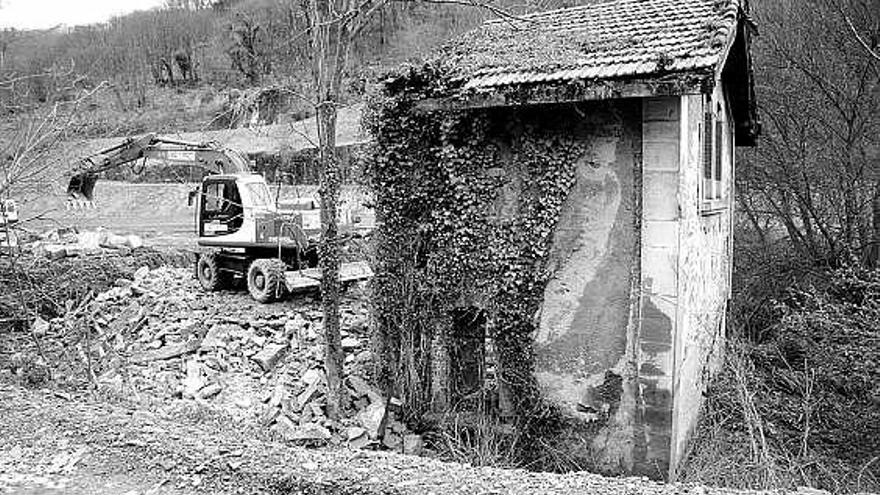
57 443
169 391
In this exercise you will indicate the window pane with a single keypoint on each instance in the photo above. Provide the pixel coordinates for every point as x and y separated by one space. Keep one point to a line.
719 130
214 196
707 145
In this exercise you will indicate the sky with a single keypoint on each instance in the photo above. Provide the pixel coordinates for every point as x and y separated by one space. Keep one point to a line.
41 14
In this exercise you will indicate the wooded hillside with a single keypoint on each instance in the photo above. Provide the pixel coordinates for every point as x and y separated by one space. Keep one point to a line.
227 43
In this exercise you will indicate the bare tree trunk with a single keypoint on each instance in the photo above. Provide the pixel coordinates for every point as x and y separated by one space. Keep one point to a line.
329 259
874 251
329 43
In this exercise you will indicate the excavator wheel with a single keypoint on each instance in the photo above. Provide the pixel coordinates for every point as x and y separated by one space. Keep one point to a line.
209 275
265 280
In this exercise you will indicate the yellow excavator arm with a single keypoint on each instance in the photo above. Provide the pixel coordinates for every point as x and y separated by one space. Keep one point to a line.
211 157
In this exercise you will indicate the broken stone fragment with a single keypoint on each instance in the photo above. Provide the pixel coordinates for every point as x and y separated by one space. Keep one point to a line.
269 356
372 418
392 441
216 338
55 252
40 327
360 442
312 376
354 432
358 386
258 340
283 425
193 381
349 343
277 395
270 415
307 395
309 433
216 363
210 391
167 352
141 273
413 444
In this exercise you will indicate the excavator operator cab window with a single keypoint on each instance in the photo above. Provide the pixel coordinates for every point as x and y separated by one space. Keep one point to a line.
222 211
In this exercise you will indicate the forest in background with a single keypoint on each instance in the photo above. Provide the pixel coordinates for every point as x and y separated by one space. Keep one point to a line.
799 401
240 44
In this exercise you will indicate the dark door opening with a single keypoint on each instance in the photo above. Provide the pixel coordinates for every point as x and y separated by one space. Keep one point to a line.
467 352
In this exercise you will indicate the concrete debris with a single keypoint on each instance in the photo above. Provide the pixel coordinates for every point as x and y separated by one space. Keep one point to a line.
40 327
392 441
413 444
350 343
160 334
167 352
372 418
310 432
193 382
210 391
360 388
66 242
269 356
313 376
355 432
307 395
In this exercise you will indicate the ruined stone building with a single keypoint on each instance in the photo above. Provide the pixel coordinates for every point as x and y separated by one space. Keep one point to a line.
641 103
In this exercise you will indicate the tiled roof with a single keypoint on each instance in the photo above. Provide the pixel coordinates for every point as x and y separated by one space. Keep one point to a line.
611 39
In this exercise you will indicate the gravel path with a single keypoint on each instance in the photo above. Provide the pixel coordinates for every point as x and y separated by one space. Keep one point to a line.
53 444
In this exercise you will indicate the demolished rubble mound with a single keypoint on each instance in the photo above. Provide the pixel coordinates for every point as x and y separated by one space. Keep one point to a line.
68 242
160 334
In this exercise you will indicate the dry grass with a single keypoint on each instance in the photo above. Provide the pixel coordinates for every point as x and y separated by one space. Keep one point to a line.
735 445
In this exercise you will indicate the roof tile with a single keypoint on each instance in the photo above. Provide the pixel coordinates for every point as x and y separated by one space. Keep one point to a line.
616 38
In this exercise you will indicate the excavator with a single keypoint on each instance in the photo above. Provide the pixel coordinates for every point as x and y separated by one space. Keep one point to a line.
242 232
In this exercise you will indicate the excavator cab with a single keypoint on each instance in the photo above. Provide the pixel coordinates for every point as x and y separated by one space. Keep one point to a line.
222 210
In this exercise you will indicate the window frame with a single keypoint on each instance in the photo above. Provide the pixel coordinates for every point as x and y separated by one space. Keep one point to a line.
714 175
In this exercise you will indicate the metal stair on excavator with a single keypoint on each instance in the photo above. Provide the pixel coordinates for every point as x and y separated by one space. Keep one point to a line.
310 278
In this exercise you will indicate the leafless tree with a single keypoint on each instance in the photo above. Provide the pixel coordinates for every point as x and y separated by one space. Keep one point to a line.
815 177
333 27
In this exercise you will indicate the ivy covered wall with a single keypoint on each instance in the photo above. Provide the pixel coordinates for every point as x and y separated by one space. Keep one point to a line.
508 266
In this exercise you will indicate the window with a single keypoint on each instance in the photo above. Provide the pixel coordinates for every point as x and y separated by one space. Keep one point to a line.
214 197
222 212
713 129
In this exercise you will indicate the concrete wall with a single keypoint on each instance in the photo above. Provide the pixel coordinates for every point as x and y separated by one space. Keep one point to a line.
660 282
632 316
685 272
584 341
704 267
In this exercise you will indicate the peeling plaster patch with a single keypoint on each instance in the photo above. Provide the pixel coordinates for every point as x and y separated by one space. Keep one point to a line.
656 325
591 209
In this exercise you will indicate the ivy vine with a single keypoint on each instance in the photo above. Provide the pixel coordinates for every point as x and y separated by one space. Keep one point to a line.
467 210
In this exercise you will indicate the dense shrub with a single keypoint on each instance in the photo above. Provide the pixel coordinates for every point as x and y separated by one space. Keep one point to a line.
800 405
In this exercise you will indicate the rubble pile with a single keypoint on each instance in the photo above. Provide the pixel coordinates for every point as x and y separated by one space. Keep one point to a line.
158 333
67 242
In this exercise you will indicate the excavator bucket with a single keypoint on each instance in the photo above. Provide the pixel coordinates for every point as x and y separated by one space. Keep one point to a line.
81 187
